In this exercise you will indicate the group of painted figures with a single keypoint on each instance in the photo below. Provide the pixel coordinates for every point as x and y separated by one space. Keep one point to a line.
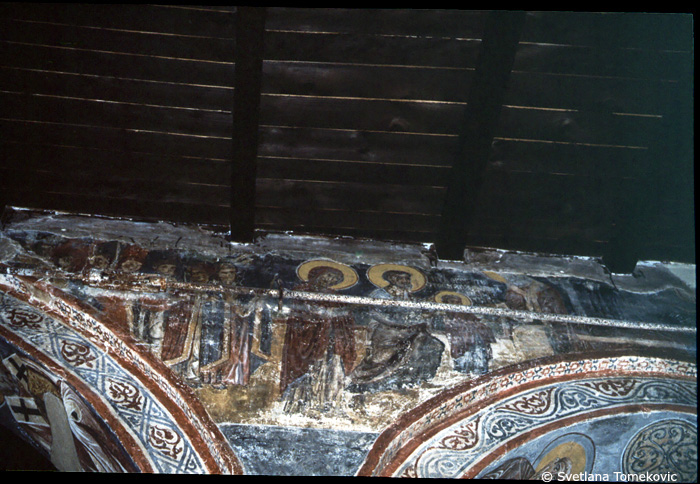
220 338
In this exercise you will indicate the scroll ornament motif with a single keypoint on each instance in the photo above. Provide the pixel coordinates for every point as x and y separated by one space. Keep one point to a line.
667 446
612 388
457 448
77 354
462 439
125 395
21 318
535 404
135 407
166 441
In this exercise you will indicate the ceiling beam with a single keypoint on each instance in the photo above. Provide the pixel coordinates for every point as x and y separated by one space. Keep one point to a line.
485 98
250 30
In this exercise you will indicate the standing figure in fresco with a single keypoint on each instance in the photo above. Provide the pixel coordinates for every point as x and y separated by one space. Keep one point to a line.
401 352
147 315
470 339
207 336
319 344
226 334
146 318
204 318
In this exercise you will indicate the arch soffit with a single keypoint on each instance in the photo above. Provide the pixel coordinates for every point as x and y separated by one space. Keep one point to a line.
529 387
208 450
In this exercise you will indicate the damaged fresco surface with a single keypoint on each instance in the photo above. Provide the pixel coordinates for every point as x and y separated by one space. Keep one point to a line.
316 357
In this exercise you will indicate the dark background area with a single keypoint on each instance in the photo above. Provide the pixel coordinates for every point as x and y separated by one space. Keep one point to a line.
556 132
18 455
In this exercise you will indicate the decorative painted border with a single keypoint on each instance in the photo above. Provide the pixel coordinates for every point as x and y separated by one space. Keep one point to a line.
556 405
414 433
104 409
202 441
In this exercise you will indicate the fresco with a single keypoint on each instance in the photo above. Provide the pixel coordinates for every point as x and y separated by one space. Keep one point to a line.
663 444
236 330
55 417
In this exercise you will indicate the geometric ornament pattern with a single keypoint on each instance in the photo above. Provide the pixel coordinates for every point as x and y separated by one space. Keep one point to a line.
668 446
160 438
454 450
449 439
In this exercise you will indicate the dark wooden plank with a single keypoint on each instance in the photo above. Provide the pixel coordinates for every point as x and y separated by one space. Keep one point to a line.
193 122
250 29
114 89
105 164
351 171
129 66
533 89
564 158
653 30
588 126
41 182
114 139
365 81
126 42
345 219
398 21
307 195
667 172
356 145
353 48
214 22
625 63
544 228
500 40
362 114
118 207
561 91
557 198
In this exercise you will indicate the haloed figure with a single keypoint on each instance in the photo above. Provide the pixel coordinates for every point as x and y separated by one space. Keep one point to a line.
399 283
319 345
323 278
395 281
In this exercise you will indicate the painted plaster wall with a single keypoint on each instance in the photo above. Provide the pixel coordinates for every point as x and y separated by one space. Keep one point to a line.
362 335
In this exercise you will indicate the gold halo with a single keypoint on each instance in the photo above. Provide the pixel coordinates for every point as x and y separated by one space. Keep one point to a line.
376 275
572 450
465 300
349 275
495 277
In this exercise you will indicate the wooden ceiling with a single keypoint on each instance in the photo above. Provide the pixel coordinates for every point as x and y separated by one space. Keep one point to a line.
557 132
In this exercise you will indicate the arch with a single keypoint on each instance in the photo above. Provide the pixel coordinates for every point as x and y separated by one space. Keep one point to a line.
168 431
459 432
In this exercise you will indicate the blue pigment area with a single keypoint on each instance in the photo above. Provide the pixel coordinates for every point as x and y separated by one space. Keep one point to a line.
294 451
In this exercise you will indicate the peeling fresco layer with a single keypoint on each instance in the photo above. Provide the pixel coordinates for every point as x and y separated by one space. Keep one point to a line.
341 338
